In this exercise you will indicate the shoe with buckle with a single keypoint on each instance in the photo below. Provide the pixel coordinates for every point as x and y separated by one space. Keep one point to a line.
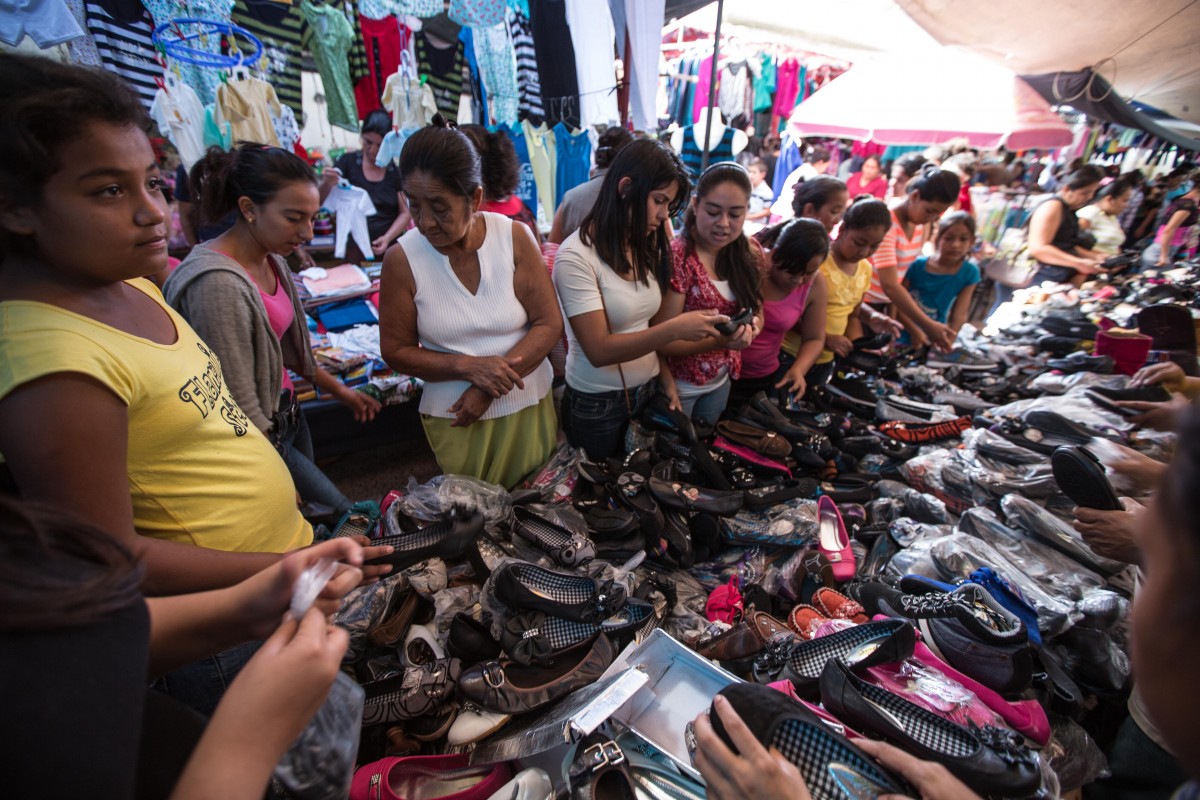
532 637
449 538
511 688
417 692
566 547
861 646
524 586
829 763
832 539
989 760
693 498
600 771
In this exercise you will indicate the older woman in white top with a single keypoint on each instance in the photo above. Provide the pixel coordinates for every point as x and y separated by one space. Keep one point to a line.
466 305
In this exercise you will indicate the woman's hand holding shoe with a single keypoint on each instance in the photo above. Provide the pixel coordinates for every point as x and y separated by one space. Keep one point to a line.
752 772
693 326
741 338
839 345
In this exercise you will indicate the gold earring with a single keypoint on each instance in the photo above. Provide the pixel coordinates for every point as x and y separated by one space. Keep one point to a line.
250 220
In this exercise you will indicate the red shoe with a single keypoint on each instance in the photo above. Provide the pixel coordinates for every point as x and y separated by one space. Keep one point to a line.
833 541
805 620
922 432
835 605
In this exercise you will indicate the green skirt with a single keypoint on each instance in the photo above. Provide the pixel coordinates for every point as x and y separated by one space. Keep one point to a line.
503 450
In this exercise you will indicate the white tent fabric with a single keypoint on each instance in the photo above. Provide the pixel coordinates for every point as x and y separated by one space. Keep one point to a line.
987 105
1148 48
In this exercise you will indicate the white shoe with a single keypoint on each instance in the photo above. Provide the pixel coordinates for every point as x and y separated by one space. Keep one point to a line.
420 647
473 724
528 784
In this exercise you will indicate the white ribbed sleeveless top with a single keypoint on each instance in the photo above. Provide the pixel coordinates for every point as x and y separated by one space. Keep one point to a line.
488 323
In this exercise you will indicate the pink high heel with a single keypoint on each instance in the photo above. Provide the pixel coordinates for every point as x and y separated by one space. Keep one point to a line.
832 539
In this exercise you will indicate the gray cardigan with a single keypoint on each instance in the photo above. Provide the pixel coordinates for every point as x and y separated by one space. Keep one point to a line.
218 299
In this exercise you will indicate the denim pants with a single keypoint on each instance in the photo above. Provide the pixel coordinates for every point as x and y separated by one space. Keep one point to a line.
292 439
596 422
707 406
201 685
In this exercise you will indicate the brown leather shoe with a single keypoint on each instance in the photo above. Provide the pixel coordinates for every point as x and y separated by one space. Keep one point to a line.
510 688
737 647
767 443
390 632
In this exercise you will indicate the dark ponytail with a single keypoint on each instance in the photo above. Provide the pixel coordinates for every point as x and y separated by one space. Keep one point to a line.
867 212
739 261
610 143
499 167
799 241
444 153
248 170
935 185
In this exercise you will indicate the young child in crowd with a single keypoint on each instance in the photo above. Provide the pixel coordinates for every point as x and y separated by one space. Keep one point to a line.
926 198
761 195
714 266
943 284
794 297
847 275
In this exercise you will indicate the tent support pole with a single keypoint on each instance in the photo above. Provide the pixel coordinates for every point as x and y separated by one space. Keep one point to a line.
712 86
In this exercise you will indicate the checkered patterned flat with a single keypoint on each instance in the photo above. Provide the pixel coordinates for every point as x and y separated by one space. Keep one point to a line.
524 586
534 636
862 646
566 547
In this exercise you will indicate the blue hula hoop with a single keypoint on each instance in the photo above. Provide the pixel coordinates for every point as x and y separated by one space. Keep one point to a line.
177 48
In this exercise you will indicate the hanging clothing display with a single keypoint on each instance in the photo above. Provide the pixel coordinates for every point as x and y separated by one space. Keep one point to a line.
358 50
574 157
383 42
526 185
46 22
592 37
384 193
735 96
217 132
643 21
555 61
443 68
286 130
247 106
529 83
473 102
329 37
498 69
121 31
419 8
692 155
203 80
543 157
82 49
280 27
764 85
351 207
179 115
410 101
477 13
703 84
787 86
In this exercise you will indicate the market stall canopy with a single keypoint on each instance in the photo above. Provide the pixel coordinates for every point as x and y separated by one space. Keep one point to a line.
1149 47
890 101
1087 92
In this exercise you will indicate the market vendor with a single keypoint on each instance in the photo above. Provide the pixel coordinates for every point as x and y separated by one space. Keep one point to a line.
467 306
382 185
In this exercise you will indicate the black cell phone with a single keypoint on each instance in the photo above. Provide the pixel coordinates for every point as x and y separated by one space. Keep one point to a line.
1109 405
743 316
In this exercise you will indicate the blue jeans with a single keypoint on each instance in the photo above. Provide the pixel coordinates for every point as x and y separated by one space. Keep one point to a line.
708 406
201 685
596 422
294 443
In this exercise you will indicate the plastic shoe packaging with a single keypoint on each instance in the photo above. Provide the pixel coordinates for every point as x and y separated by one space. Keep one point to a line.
793 524
653 689
557 478
1029 516
1057 383
921 507
430 500
1073 755
364 608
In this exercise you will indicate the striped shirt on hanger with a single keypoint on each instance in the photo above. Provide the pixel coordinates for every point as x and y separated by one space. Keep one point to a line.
125 48
280 27
527 72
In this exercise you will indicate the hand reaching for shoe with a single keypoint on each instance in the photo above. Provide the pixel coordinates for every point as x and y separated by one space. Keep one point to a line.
1168 374
840 345
1141 471
1157 416
932 780
752 772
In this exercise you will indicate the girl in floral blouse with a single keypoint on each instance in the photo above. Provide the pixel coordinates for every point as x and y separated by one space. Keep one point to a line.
714 266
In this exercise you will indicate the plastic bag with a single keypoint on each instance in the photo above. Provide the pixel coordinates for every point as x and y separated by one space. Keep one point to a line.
918 505
793 524
363 608
1029 516
320 764
1073 755
557 477
430 500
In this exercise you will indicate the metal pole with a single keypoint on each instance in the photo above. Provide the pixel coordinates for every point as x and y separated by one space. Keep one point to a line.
712 86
